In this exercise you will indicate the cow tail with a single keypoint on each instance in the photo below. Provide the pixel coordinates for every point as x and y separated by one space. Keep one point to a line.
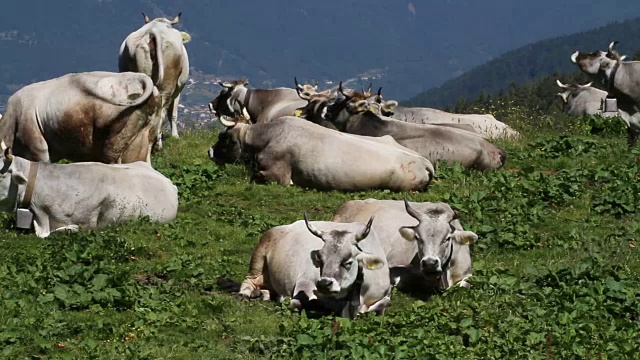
155 40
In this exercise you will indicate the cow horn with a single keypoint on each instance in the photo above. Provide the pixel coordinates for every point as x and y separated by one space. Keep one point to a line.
226 122
298 86
146 18
176 19
561 84
369 89
361 236
8 154
611 45
341 90
587 85
3 146
414 214
456 215
312 229
623 57
574 57
316 86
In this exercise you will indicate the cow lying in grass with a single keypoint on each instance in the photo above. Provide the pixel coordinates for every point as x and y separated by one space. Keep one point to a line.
66 196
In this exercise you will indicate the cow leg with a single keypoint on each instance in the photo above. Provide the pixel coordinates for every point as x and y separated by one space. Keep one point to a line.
157 142
279 172
632 137
70 228
173 116
303 292
41 225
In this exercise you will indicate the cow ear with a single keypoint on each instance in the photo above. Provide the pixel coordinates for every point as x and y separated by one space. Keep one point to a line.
315 258
408 233
389 105
185 37
370 261
17 175
464 237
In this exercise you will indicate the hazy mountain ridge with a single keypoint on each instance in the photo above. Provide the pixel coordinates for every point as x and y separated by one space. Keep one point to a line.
413 46
529 63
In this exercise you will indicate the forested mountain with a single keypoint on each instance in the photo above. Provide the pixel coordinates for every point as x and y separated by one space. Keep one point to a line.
405 46
529 63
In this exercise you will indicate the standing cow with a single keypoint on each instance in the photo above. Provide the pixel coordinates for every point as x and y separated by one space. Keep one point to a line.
94 116
340 266
157 49
422 241
621 78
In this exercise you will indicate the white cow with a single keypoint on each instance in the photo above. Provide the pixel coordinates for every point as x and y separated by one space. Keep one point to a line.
93 195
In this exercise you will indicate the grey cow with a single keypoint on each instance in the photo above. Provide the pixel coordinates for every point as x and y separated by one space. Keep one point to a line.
581 100
340 265
290 151
434 142
622 81
420 240
258 105
66 196
157 49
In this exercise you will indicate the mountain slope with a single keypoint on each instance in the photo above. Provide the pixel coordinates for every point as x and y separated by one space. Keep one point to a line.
529 63
404 46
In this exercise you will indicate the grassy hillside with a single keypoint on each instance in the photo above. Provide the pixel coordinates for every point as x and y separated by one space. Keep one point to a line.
556 266
528 63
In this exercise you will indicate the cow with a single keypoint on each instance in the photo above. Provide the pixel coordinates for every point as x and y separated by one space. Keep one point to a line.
94 116
291 151
485 125
424 242
92 195
621 80
581 100
434 142
258 105
157 49
336 266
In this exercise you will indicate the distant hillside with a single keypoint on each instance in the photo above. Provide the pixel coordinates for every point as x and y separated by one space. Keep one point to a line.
406 46
529 63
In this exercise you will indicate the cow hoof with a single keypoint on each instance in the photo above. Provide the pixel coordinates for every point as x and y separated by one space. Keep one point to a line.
255 294
241 297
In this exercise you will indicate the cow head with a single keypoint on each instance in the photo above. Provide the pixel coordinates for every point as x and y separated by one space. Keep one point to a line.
230 101
341 259
381 107
597 62
438 234
228 149
306 90
316 108
13 173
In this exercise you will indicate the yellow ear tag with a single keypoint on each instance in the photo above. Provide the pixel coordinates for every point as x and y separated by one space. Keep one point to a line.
185 37
297 112
371 266
372 110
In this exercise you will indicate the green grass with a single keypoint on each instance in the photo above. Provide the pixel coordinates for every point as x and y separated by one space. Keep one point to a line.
556 267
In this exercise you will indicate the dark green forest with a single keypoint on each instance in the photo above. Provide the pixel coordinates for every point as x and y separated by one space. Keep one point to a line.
537 64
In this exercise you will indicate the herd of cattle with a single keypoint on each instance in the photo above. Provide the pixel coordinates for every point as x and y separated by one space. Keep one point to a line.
338 139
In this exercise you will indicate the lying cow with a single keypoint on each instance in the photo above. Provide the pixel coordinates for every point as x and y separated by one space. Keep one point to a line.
94 116
434 142
258 105
620 79
93 195
431 231
581 100
338 266
157 49
292 151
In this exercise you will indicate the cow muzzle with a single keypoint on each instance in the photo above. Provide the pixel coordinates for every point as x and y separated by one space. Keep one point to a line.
431 267
328 285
